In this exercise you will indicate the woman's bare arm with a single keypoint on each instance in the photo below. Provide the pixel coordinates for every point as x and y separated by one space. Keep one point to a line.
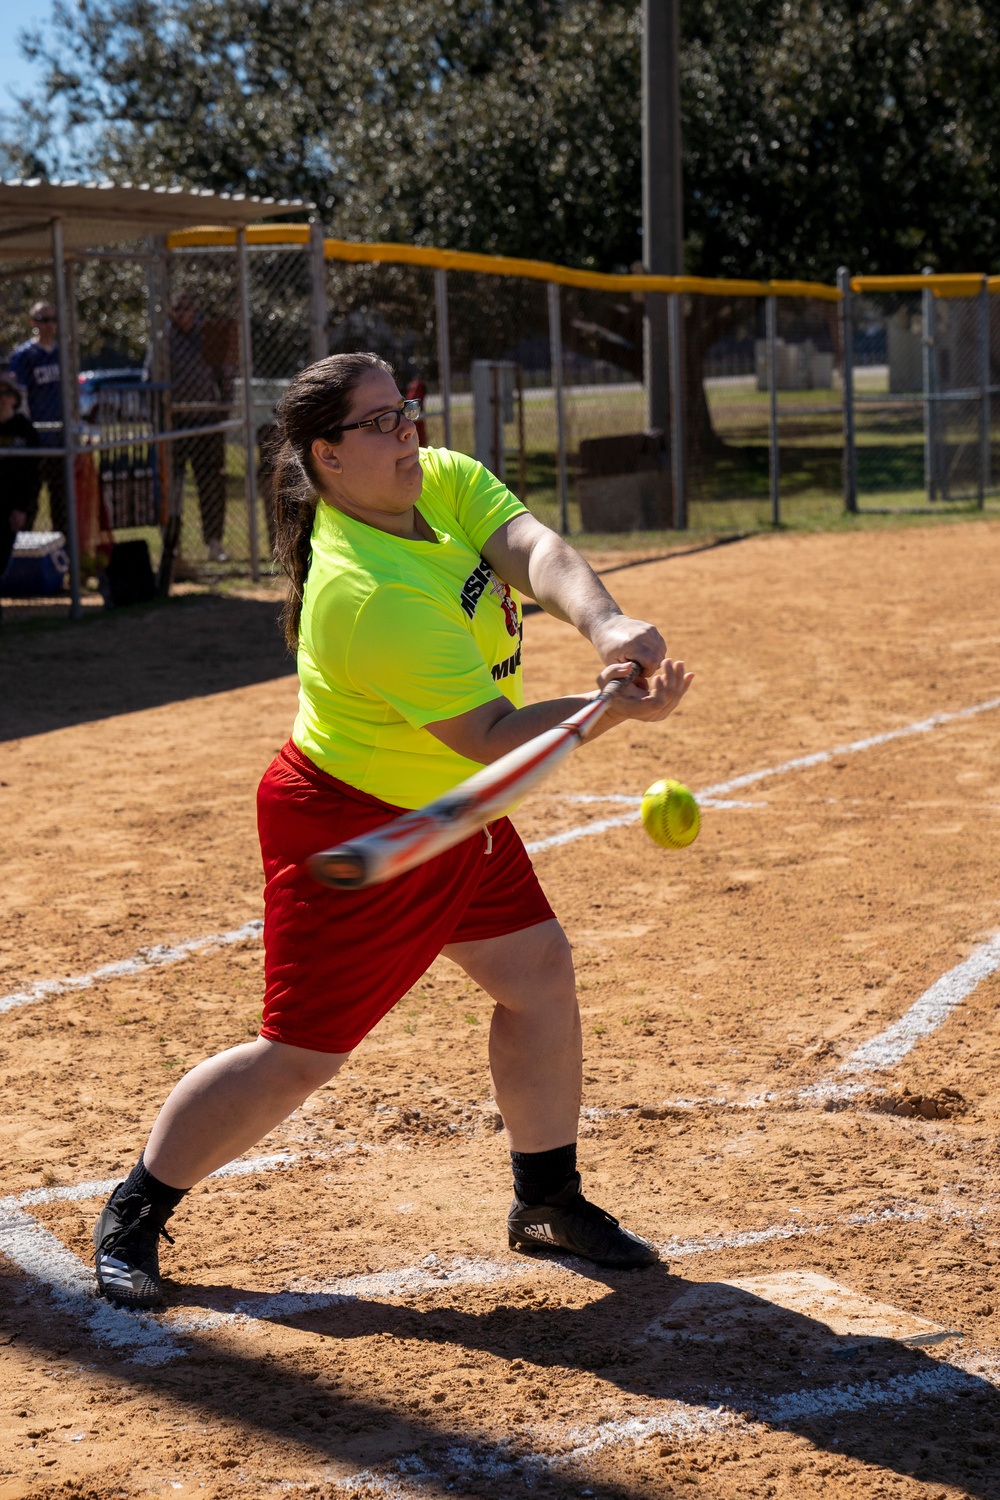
485 733
537 562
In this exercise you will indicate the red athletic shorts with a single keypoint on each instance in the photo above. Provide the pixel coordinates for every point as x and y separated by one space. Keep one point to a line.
336 961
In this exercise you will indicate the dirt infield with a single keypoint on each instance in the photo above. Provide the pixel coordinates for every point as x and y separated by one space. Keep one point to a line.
792 1042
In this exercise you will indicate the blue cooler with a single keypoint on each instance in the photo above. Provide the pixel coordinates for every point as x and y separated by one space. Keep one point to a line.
38 566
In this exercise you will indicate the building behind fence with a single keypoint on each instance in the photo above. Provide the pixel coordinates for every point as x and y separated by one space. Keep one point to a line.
791 401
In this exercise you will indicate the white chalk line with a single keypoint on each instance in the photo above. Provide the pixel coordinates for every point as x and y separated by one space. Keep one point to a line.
432 1275
715 795
70 1282
682 1422
883 1052
927 1013
156 957
722 789
703 801
29 1244
151 1340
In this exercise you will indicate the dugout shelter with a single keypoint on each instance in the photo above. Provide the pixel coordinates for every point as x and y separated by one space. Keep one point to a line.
49 231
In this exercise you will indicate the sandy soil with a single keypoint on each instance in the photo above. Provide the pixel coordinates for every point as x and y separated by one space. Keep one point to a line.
345 1317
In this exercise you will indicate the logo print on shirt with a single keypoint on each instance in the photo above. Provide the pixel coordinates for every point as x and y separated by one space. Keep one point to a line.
509 667
478 581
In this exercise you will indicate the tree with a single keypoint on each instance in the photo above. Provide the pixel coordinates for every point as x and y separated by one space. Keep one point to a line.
816 131
825 133
494 127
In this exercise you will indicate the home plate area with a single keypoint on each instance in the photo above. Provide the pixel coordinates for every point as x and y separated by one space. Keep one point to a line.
506 1375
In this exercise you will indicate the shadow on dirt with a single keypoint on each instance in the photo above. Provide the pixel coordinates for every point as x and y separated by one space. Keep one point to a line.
690 1384
53 675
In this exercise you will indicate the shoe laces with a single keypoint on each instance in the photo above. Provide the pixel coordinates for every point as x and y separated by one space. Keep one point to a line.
141 1229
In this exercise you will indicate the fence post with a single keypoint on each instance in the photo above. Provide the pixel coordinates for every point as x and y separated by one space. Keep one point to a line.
318 345
67 391
522 458
556 361
675 343
249 435
443 347
157 298
985 452
847 382
771 335
928 332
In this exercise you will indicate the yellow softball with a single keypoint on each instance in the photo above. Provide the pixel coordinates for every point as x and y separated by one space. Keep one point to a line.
670 815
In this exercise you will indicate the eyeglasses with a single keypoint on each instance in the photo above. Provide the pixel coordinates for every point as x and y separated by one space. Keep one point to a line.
45 319
386 421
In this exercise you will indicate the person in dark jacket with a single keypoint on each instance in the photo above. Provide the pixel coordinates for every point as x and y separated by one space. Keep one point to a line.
35 366
19 478
201 393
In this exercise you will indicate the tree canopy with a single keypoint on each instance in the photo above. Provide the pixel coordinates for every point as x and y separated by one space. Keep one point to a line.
814 133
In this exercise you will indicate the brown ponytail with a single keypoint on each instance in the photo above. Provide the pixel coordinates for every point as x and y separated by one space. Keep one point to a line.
316 403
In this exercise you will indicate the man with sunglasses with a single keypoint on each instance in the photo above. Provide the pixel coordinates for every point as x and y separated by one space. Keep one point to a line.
35 366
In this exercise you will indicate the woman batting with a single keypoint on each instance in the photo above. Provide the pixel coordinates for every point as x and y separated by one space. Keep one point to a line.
406 567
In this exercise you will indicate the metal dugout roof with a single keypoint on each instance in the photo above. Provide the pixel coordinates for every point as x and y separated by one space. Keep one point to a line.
102 213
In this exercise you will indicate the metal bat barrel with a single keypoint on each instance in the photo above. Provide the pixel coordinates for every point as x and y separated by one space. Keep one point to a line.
417 836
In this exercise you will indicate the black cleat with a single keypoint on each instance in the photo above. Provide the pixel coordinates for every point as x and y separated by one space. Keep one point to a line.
127 1241
568 1222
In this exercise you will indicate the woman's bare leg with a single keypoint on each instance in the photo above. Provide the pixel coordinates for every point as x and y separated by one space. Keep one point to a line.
227 1103
535 1042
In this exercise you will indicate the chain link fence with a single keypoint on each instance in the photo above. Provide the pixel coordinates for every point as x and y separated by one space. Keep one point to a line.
787 402
925 372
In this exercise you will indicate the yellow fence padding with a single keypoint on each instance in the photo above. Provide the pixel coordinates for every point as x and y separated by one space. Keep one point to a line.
500 265
358 252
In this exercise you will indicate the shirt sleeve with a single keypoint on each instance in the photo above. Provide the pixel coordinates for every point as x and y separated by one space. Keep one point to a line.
483 503
407 649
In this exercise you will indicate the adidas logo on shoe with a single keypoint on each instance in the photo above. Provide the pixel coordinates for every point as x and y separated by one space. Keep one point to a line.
539 1232
569 1222
126 1244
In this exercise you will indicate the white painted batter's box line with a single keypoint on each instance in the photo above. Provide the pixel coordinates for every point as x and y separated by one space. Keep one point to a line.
159 956
711 795
881 1053
150 1339
681 1422
163 954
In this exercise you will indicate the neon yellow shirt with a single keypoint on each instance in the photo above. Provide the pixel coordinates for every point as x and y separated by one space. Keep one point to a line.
398 634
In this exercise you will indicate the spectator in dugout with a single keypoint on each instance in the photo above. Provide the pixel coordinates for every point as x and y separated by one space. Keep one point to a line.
35 366
18 476
200 396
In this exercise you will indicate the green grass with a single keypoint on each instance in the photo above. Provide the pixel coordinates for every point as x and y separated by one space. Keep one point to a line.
728 489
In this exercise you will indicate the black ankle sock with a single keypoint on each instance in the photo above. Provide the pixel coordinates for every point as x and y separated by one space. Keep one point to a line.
541 1174
150 1187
